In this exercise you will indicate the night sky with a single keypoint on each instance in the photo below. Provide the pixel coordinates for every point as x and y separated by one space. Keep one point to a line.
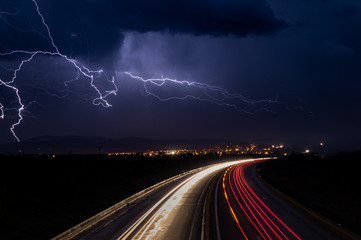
296 66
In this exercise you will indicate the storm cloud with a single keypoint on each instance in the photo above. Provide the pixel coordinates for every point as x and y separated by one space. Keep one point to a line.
305 54
92 30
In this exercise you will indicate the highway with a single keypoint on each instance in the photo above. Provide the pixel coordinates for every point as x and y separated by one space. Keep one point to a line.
262 214
223 201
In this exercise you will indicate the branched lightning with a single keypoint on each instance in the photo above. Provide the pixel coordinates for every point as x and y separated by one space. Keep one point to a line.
192 90
208 93
82 70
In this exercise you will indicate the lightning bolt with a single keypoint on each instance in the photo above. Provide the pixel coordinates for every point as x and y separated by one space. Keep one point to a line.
204 92
194 90
1 111
82 70
10 14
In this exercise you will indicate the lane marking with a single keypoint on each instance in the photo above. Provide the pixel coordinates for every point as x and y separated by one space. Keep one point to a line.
216 210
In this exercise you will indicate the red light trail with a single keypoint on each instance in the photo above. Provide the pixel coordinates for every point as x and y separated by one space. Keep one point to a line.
265 223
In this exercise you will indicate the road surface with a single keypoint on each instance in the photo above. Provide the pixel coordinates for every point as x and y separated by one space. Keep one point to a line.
262 214
223 201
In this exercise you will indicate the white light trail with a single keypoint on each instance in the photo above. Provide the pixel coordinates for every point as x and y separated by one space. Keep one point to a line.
169 203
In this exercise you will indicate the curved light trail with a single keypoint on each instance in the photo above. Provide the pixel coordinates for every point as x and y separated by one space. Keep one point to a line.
156 219
187 208
264 222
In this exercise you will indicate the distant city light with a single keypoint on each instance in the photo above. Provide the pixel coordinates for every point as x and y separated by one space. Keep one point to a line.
214 150
307 151
321 144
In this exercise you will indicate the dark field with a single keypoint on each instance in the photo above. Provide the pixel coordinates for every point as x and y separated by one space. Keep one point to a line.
330 185
42 196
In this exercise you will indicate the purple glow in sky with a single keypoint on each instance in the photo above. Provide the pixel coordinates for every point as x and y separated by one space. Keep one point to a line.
297 61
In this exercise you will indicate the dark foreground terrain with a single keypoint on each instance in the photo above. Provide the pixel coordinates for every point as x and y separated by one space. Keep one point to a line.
330 185
42 196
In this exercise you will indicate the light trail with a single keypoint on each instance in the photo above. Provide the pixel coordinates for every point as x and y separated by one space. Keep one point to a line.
249 204
266 207
229 205
265 222
256 206
243 209
155 219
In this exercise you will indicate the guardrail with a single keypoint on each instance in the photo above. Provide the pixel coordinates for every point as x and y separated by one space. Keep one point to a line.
92 221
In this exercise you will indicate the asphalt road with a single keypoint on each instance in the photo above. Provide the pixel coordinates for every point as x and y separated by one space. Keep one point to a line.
224 201
263 214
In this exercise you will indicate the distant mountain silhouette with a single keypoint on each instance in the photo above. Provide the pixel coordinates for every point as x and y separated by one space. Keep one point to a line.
89 145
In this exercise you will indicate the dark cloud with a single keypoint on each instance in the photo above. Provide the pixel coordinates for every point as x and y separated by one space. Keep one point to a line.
226 43
346 11
93 29
189 16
